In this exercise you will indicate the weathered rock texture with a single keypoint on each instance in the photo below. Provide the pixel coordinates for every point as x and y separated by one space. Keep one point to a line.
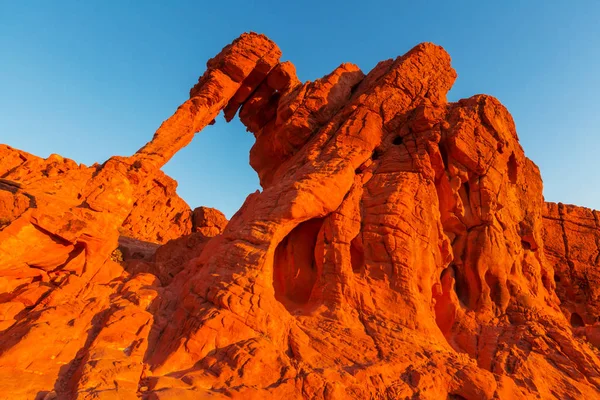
157 215
572 247
400 248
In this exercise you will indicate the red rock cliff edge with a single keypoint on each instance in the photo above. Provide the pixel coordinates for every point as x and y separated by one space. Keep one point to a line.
400 248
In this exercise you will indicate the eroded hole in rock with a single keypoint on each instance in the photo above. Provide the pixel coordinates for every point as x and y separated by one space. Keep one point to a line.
527 236
576 321
546 280
295 265
445 309
460 286
444 154
467 188
398 140
355 87
357 254
376 154
465 193
500 147
512 169
494 285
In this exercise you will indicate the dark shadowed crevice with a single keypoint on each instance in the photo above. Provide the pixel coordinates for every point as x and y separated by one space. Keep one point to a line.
460 287
494 286
295 266
357 254
576 321
444 154
526 232
376 154
467 189
398 141
512 169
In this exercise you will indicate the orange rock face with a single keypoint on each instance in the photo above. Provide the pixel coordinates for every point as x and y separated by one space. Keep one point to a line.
157 214
572 247
400 248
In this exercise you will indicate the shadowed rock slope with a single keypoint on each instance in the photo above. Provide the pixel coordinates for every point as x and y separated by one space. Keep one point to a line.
400 248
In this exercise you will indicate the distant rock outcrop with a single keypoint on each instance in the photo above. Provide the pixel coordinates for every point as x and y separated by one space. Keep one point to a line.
400 248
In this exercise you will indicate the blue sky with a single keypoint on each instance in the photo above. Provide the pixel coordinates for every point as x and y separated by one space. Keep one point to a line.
91 79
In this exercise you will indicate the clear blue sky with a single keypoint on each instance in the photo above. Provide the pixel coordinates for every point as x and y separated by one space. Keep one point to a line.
91 79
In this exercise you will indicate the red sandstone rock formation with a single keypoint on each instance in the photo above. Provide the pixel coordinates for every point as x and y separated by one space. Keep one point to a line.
158 214
572 246
400 248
